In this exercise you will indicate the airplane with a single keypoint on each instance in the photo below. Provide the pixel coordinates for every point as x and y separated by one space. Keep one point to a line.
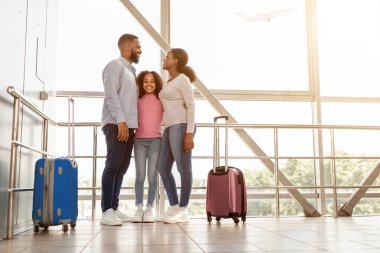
263 16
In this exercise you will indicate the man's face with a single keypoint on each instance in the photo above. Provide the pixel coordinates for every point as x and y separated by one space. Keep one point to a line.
132 51
135 51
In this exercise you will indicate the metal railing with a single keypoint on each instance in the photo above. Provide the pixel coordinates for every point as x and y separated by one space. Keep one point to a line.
16 144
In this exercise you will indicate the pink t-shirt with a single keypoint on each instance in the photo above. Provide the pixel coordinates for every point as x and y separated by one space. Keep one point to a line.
149 117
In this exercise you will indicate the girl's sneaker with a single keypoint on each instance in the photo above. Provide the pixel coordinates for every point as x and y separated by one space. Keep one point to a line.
138 217
148 215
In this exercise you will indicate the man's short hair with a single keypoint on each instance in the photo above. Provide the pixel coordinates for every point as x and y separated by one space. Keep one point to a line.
126 38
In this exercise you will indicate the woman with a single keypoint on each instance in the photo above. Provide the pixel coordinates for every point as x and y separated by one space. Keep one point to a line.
177 142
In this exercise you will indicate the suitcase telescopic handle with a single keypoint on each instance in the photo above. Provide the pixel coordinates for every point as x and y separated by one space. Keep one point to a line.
216 157
71 137
225 117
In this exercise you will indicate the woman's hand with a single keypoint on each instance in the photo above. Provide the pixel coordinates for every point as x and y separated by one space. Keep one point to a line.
188 142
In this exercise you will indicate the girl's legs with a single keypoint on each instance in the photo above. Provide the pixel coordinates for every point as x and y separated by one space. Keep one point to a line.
141 153
153 152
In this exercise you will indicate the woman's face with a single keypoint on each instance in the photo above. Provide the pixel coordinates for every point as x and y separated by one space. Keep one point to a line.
169 61
149 83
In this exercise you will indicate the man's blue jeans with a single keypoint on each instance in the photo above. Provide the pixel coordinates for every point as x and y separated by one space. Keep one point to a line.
117 162
146 150
171 150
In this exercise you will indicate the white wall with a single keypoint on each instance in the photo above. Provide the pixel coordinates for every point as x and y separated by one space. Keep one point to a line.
27 62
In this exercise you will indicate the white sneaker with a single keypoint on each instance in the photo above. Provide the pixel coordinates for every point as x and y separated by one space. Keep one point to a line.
148 215
110 219
138 217
181 214
122 216
163 216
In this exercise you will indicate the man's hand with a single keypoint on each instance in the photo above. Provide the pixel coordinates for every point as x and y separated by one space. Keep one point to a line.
123 131
188 142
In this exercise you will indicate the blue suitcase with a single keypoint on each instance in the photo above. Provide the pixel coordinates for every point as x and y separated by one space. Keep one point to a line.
55 196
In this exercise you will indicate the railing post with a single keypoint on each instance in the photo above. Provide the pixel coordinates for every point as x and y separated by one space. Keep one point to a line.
13 167
333 174
45 134
94 170
277 194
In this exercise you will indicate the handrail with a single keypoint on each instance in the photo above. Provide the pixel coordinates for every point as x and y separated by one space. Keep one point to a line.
31 148
241 126
18 99
16 94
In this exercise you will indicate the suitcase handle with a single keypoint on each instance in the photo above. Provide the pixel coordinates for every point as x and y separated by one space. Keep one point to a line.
221 117
71 137
216 158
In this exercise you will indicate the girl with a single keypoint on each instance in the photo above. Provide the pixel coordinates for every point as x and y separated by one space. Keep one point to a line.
147 142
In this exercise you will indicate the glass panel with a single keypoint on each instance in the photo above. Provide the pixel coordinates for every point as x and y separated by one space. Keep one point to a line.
151 10
295 142
355 113
263 112
261 208
85 109
367 207
245 44
350 142
197 207
348 41
290 207
86 45
300 172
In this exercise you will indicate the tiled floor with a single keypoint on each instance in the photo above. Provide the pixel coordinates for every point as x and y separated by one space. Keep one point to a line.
285 235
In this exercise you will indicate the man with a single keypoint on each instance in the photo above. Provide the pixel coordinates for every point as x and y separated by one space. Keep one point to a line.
119 121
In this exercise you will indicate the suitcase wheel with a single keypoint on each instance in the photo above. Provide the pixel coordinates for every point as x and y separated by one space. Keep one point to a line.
36 229
209 219
236 220
65 228
217 218
72 225
46 227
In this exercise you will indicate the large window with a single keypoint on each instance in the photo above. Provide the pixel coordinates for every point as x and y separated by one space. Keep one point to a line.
256 45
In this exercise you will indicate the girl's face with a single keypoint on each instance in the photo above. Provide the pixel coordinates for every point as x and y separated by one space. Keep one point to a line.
149 83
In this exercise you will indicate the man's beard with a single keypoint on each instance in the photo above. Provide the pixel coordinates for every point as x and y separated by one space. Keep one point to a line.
135 57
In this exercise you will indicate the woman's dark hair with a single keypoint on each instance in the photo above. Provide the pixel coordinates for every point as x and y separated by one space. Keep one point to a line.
183 58
140 82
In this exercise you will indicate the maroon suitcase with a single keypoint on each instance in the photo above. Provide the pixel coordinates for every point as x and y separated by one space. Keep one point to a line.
226 190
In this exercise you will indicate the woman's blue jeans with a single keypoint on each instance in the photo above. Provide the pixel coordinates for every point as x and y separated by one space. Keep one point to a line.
146 150
172 149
